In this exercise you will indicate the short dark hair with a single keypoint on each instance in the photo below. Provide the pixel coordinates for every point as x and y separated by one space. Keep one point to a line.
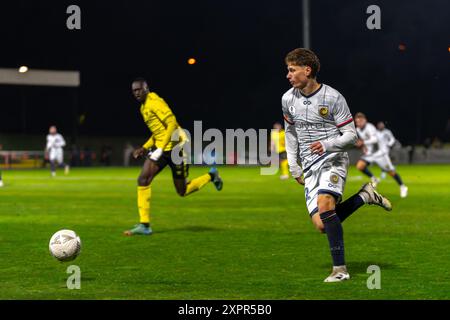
140 79
304 57
360 115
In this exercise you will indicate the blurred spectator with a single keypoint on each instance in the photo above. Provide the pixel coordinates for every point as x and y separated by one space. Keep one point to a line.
105 155
74 156
127 154
411 150
1 158
86 157
427 143
447 131
427 146
437 143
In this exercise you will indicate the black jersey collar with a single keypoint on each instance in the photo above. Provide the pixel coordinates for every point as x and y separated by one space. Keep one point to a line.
313 93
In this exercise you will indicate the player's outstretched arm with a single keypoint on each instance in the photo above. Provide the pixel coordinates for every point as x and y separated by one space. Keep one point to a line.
171 125
48 145
346 141
139 152
149 143
346 126
391 138
300 180
62 142
372 140
291 140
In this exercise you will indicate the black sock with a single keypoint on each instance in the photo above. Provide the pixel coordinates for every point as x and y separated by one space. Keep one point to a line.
398 179
367 172
211 175
146 224
335 235
346 208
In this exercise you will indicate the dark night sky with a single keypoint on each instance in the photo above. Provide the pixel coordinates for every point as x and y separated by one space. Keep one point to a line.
240 75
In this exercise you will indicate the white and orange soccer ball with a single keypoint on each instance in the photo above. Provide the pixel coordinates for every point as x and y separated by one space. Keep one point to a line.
65 245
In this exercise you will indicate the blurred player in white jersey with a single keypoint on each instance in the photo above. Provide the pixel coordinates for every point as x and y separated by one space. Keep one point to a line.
387 138
375 151
319 128
54 151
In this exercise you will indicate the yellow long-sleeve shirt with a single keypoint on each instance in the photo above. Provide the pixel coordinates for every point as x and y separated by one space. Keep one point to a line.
162 123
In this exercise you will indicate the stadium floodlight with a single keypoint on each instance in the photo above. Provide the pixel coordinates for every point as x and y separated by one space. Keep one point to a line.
39 77
23 69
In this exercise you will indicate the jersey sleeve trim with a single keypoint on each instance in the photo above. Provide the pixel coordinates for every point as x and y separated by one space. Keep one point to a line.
344 123
287 120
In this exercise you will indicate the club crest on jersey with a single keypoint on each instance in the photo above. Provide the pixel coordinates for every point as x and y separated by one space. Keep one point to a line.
323 111
334 178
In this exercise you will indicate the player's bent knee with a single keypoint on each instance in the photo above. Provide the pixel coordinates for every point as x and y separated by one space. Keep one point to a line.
144 181
360 165
326 202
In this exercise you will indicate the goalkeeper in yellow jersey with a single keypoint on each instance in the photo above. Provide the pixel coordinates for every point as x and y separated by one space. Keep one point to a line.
277 142
157 150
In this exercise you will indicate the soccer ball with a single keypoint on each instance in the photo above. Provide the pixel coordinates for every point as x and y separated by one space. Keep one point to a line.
65 245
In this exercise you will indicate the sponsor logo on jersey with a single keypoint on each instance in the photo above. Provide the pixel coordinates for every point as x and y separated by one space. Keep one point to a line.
292 110
303 125
323 111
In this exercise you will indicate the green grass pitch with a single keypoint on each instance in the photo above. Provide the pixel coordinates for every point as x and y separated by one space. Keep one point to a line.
252 240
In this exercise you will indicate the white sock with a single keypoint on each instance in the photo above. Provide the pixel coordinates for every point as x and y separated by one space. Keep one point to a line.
340 267
364 196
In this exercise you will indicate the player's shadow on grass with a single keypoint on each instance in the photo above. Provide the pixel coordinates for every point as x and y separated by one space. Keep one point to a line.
190 229
359 267
87 279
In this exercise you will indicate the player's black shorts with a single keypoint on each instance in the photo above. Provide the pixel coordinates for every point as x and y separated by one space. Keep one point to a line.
179 171
283 155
